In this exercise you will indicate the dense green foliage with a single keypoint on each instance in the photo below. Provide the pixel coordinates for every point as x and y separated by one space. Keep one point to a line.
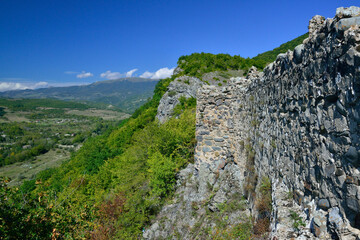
32 104
2 111
116 182
197 64
271 55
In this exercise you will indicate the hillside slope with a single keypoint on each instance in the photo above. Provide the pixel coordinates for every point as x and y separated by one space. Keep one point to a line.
271 55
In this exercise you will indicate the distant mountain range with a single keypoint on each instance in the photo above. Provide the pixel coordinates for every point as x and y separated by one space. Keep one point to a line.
126 93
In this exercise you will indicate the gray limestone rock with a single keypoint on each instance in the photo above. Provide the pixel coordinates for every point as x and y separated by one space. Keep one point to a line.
335 218
315 24
183 86
349 12
346 23
253 73
352 155
298 53
324 204
319 225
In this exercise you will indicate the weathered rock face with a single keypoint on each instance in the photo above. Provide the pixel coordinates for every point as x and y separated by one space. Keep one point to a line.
194 211
183 86
301 119
253 73
315 24
349 12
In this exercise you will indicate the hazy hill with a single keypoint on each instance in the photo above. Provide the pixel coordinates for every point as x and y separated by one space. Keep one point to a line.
125 93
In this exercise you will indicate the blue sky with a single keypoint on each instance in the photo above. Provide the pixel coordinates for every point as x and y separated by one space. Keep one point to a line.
62 42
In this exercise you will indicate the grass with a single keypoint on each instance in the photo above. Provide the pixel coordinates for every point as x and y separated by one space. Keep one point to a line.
11 116
104 114
18 172
263 205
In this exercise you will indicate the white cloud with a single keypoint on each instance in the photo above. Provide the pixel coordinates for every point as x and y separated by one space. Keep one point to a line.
163 73
41 84
159 74
84 74
8 86
115 75
147 74
111 75
130 73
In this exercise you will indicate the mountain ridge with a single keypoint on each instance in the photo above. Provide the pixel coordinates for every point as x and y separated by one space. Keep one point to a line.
126 93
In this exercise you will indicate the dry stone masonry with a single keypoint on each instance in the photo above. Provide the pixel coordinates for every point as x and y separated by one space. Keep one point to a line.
215 126
301 117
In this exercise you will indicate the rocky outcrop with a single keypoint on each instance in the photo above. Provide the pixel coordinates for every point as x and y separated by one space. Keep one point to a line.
195 210
315 24
297 124
177 70
183 86
253 73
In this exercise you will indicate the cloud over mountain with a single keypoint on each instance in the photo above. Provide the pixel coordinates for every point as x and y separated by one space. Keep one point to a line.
8 86
131 72
111 75
115 75
159 74
84 74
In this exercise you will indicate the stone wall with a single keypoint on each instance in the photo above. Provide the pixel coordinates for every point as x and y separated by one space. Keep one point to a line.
214 125
301 117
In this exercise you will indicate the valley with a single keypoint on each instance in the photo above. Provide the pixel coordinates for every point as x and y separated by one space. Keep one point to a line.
39 134
126 94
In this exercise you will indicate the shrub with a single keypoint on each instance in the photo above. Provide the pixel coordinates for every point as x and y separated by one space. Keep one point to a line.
162 173
171 93
297 220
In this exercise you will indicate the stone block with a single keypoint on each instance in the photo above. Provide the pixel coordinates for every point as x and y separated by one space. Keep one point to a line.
324 204
335 217
216 148
353 203
206 149
346 23
298 52
349 12
204 133
352 155
319 225
218 139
